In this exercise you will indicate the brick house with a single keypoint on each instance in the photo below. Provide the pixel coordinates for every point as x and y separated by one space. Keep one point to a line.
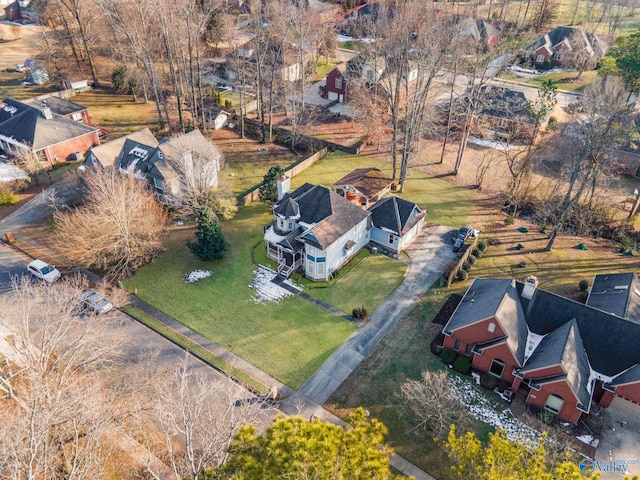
41 132
64 108
561 354
565 46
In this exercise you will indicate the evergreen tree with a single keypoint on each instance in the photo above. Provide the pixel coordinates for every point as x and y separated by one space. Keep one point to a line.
210 243
269 188
296 448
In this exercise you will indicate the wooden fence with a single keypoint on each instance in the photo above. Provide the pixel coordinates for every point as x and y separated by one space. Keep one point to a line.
456 264
292 170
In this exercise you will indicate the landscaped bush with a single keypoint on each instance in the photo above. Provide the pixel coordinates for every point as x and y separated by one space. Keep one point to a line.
466 266
583 285
476 253
552 124
8 198
463 275
509 220
546 417
482 245
582 297
488 381
359 313
448 355
471 259
462 364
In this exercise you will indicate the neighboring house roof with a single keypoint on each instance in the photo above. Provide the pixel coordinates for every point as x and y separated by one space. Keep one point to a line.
504 103
395 214
578 337
575 39
58 106
480 30
368 181
107 153
617 293
632 375
328 215
564 347
32 126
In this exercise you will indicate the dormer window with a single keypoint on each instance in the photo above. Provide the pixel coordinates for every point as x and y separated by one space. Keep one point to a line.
491 327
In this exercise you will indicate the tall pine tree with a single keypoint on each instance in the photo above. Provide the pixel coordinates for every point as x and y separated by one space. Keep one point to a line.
210 243
268 192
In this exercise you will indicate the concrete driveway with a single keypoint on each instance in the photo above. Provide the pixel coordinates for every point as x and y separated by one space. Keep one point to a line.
622 440
429 253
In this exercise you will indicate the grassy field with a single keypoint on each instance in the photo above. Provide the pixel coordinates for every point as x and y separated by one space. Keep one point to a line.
562 80
289 339
446 204
245 169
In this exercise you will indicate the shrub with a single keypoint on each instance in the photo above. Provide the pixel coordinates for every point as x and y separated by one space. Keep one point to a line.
488 381
523 229
519 246
582 246
471 259
463 275
475 253
448 355
8 198
553 123
462 364
509 220
543 230
359 313
582 297
546 417
583 285
466 266
482 245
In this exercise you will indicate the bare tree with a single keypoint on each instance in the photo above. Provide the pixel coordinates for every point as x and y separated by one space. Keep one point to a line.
196 418
592 141
197 161
432 401
58 419
118 227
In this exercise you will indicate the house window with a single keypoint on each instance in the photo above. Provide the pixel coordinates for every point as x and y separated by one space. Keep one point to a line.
558 56
540 59
497 367
554 404
391 238
456 346
77 116
491 327
321 269
467 350
339 83
289 225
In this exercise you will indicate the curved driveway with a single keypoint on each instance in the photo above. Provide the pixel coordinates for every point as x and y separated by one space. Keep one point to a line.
430 253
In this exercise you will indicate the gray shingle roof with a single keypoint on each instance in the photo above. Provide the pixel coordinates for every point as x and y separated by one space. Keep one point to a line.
632 375
394 213
58 106
617 293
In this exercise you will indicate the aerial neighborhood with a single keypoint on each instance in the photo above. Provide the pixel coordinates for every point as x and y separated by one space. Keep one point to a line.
329 239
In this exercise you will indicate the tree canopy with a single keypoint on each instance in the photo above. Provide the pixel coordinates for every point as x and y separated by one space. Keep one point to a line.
624 60
210 243
297 448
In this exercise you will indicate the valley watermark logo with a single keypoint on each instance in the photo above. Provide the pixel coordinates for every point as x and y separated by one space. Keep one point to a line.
589 466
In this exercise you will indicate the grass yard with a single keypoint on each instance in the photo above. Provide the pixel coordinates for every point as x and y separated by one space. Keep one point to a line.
289 339
446 204
366 281
10 86
118 113
562 80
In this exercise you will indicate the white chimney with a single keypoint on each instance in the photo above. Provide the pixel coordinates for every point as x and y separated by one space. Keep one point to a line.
284 186
46 113
530 287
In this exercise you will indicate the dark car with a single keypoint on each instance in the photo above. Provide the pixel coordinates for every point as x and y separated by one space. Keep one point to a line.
462 235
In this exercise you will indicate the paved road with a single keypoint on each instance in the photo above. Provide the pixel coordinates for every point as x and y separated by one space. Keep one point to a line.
429 253
11 263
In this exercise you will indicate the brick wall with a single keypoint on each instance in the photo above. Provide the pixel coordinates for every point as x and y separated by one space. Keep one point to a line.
569 412
78 144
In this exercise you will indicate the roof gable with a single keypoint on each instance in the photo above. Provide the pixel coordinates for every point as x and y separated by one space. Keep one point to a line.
395 214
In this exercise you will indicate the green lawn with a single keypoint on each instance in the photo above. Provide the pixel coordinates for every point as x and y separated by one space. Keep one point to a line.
446 204
562 80
289 340
366 281
246 169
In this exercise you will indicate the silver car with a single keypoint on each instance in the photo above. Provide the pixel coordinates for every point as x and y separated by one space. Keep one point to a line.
94 302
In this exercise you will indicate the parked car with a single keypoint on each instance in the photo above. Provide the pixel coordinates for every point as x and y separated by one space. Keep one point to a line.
43 271
94 302
462 235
